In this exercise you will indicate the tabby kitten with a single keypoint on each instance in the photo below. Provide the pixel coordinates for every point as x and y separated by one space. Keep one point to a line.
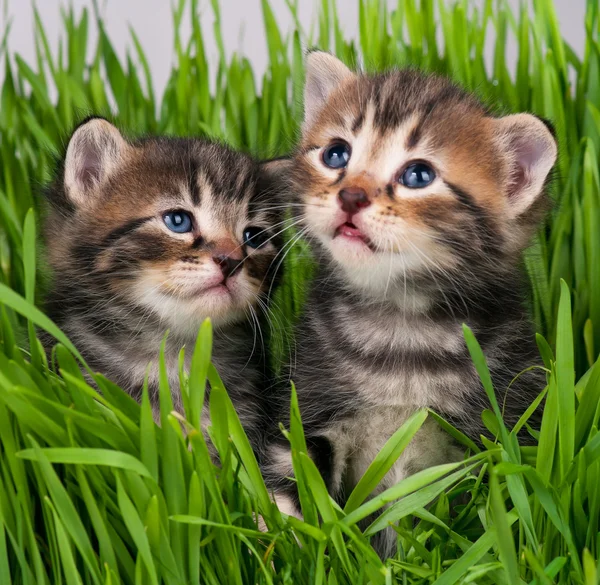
160 234
418 204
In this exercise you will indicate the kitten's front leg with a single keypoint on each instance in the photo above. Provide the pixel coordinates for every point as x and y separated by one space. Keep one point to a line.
430 446
278 472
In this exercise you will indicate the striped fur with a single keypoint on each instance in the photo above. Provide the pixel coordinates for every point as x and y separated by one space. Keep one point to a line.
382 331
121 278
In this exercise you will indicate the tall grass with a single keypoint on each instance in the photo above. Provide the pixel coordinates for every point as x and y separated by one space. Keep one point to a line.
92 491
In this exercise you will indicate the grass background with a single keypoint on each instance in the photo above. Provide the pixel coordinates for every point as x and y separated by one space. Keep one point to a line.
91 491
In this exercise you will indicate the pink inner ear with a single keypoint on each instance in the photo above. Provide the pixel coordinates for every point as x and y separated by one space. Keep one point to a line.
528 151
91 170
95 150
517 180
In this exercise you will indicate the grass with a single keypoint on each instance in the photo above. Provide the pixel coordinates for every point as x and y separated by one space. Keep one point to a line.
93 492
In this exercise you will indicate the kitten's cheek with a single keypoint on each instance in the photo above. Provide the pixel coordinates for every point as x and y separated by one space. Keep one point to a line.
229 293
323 220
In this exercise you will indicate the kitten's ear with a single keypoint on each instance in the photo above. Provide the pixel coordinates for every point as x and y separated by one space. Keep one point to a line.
94 153
275 174
531 151
277 168
324 73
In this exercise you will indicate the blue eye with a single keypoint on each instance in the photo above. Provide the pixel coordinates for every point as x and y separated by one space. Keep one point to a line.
417 175
255 237
179 222
336 155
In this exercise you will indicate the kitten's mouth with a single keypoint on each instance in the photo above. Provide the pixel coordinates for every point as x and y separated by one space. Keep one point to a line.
350 231
219 288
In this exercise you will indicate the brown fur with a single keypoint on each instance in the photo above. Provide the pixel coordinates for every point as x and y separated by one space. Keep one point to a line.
122 278
450 122
400 273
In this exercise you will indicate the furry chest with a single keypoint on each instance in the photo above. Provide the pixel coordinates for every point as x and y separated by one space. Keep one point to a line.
404 386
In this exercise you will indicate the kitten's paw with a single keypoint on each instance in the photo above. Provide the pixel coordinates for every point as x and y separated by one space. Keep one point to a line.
286 505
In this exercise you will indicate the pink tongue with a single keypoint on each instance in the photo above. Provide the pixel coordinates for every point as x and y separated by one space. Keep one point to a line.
350 231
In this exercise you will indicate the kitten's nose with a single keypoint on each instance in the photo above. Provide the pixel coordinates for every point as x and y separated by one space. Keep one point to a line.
227 254
353 199
227 264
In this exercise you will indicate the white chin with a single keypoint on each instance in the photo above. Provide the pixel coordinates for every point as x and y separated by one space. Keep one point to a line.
184 316
349 250
219 304
213 302
377 273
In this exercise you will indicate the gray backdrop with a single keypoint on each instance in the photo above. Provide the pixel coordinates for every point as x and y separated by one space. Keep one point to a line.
242 26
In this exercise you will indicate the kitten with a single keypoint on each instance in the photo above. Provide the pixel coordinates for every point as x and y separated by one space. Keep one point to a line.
160 234
418 204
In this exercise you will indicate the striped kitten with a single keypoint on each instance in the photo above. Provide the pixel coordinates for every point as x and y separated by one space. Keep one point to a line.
159 234
418 204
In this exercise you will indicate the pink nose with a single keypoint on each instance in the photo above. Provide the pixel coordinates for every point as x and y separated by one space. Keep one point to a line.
227 254
227 264
353 199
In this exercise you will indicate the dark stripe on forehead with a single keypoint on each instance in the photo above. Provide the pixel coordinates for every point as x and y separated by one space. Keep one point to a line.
391 114
124 230
417 132
358 122
426 115
392 100
193 183
262 192
228 174
214 172
246 184
396 96
414 136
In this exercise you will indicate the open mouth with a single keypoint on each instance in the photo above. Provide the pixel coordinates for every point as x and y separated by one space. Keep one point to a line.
350 231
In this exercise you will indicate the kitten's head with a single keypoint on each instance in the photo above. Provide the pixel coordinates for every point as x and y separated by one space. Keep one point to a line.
177 229
404 173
